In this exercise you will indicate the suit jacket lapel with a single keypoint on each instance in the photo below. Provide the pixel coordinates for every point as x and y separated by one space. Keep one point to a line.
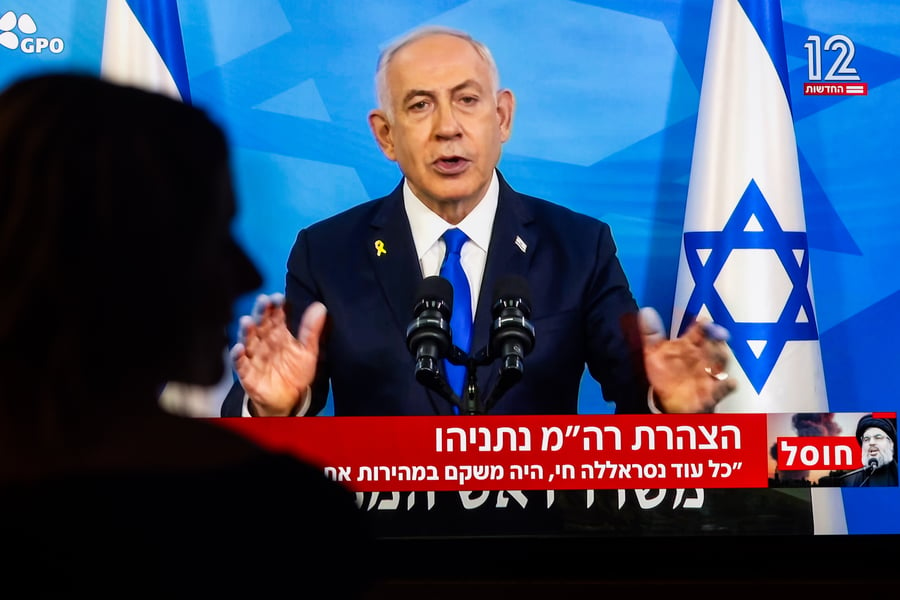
393 255
513 241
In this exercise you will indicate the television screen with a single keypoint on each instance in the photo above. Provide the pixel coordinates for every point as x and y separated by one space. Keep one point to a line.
776 218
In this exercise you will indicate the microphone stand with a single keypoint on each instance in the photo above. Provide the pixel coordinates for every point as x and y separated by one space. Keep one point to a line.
433 379
510 374
470 403
870 469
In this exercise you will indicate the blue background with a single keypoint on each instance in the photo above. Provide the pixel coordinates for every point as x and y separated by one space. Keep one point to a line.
607 97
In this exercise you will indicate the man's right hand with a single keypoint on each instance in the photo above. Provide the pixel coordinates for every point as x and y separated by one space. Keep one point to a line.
276 368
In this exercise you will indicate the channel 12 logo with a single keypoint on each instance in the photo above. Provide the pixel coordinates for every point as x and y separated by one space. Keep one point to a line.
841 78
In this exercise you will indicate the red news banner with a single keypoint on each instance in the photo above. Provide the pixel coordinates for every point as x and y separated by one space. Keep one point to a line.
541 452
524 452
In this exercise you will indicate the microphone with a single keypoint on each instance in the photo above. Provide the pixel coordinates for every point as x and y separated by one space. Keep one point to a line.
428 334
512 335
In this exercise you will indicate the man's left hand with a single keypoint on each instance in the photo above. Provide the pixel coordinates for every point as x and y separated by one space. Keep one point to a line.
687 374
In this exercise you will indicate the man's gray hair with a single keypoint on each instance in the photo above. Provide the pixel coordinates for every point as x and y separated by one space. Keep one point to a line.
383 93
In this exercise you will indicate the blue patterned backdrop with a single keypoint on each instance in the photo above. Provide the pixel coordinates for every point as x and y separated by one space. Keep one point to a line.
607 96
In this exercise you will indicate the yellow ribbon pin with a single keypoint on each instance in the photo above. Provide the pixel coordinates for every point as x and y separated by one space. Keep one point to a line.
379 248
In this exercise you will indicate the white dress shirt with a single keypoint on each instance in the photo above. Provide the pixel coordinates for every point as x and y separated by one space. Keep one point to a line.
427 229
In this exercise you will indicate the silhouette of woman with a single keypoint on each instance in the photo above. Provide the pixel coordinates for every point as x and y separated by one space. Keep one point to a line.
119 273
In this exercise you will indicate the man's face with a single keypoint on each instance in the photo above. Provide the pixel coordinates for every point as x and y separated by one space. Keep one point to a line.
878 445
448 124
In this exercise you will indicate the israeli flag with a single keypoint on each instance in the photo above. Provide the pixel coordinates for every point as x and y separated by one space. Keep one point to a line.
744 258
143 47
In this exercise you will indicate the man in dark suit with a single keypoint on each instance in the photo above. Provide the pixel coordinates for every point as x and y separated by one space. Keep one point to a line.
443 119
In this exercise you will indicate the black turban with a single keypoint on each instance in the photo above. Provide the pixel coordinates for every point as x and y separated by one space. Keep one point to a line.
886 425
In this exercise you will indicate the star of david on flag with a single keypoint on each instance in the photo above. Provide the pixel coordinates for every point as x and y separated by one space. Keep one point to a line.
745 260
767 314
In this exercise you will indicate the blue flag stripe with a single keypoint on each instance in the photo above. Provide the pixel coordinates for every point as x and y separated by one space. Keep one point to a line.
765 16
159 18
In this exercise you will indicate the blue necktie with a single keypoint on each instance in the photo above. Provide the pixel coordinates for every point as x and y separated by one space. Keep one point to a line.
461 318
